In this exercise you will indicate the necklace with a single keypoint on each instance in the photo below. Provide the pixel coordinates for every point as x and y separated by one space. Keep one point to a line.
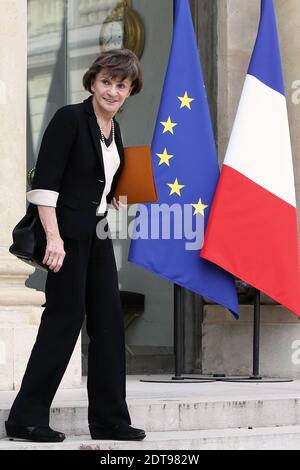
109 147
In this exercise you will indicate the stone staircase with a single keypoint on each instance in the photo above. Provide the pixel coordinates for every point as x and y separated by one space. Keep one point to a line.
216 415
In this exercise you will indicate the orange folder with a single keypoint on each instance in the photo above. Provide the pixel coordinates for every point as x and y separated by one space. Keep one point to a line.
137 179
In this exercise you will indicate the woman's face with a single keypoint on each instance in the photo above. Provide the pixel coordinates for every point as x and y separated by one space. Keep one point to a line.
110 93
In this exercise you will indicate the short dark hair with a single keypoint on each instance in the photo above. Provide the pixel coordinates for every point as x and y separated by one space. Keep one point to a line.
121 63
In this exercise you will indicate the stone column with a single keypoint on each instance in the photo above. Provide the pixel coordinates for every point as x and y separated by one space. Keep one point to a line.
227 344
20 307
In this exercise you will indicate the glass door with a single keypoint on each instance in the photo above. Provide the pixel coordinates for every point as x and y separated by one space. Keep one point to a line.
64 37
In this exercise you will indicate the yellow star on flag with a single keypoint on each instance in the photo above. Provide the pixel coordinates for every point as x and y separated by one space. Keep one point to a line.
176 188
168 125
185 101
199 208
164 157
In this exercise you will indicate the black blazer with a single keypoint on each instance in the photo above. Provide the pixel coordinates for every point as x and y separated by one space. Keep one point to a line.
70 162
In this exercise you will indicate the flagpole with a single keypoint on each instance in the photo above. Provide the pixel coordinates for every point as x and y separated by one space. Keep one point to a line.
179 345
255 377
178 332
256 335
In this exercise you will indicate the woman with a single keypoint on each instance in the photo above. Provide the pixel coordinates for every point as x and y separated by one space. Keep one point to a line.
78 166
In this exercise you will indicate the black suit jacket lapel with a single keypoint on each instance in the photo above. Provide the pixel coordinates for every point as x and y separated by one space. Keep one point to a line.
119 143
94 129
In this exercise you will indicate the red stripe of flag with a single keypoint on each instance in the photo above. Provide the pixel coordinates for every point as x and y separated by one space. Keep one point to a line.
253 234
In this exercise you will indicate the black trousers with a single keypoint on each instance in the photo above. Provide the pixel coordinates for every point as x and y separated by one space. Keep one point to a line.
86 283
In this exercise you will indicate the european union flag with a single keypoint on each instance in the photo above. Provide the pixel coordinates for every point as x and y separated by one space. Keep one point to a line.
169 235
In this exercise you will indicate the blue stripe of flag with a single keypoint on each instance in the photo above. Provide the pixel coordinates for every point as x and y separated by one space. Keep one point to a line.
265 63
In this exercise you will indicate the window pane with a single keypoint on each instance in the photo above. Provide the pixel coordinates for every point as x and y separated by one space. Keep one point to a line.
85 22
47 84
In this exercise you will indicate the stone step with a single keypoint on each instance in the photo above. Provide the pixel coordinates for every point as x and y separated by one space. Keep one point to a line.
184 415
159 407
272 438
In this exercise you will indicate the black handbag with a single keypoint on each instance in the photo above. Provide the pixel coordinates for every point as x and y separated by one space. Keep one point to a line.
25 241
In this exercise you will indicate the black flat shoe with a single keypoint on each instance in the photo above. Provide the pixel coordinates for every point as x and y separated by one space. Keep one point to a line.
117 433
33 433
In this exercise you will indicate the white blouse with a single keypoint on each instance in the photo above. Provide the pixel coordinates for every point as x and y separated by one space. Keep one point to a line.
111 161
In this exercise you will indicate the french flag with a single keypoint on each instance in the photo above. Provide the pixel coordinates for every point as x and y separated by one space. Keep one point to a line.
252 229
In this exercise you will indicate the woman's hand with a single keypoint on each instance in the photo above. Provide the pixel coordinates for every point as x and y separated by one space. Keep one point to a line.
55 253
117 204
